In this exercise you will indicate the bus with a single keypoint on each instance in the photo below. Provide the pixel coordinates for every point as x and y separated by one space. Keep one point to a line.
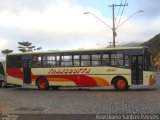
119 67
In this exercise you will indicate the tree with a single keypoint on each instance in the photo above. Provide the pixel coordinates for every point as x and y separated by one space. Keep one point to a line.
6 51
25 46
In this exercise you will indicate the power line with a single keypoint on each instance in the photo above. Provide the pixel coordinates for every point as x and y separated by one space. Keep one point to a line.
122 12
118 10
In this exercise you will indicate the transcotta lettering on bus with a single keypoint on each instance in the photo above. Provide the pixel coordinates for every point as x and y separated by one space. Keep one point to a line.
70 71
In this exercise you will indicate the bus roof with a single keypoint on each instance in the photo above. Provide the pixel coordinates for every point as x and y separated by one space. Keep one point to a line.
79 50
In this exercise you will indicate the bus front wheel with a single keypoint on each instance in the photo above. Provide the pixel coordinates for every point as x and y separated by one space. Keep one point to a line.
121 84
43 84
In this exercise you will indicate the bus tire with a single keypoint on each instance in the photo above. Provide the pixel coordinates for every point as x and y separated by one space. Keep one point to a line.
121 84
42 83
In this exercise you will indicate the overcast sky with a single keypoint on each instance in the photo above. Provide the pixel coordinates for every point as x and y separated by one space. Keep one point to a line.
61 24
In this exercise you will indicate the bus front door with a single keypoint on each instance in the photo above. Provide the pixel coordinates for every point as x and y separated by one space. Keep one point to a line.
137 69
26 71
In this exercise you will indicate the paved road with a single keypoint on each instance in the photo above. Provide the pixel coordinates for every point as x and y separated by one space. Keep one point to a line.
30 100
77 104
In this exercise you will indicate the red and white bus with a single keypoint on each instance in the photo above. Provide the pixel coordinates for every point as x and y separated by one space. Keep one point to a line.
120 67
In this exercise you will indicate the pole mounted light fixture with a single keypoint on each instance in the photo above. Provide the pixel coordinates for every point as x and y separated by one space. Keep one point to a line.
113 28
98 19
129 18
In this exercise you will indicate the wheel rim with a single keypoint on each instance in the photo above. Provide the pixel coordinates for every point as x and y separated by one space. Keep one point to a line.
42 84
121 84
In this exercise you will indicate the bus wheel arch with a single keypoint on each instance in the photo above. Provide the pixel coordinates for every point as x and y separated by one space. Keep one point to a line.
120 83
42 83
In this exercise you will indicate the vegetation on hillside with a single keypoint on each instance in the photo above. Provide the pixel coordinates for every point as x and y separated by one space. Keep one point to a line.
153 44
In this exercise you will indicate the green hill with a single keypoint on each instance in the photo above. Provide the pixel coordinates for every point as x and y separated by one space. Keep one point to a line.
153 44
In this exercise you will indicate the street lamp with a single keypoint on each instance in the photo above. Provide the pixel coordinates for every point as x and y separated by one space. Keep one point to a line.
98 19
114 28
129 18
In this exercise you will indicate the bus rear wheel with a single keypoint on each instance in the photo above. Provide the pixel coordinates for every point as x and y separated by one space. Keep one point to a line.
121 84
43 84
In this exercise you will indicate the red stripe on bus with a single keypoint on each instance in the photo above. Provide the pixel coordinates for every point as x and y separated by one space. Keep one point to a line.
79 80
14 72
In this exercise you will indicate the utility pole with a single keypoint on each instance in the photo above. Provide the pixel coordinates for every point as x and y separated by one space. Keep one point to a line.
114 28
110 44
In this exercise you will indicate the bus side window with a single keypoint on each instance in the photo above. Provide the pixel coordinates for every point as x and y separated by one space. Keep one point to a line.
36 61
58 63
120 60
76 60
117 59
105 59
51 61
114 61
126 61
85 60
96 59
66 60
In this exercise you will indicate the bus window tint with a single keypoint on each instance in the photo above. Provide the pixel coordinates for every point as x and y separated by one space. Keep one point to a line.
96 60
126 60
117 60
51 61
120 60
76 60
58 63
85 60
14 61
148 62
66 60
105 59
44 61
36 62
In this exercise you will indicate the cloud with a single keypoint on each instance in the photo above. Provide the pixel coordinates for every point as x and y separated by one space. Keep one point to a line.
3 43
18 5
61 24
58 23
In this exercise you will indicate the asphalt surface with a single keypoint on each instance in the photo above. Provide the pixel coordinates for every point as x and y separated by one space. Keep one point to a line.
79 101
